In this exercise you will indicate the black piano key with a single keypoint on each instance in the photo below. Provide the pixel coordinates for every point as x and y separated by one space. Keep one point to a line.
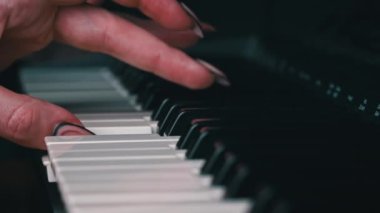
267 200
239 185
162 110
134 80
225 174
189 138
215 160
203 147
181 124
174 111
159 90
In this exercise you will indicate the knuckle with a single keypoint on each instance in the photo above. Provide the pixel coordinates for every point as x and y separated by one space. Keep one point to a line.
105 40
102 33
22 120
155 62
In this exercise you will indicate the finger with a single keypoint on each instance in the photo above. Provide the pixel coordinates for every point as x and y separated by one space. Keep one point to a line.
175 38
27 121
169 13
98 30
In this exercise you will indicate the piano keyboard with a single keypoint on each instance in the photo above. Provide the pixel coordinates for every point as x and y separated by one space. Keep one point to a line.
266 147
127 166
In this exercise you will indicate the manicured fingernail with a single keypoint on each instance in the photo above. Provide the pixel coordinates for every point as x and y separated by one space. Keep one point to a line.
206 27
67 129
220 77
197 23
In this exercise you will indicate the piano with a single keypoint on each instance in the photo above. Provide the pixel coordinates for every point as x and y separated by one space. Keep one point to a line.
297 130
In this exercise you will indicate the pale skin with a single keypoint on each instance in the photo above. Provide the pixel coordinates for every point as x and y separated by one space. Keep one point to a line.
27 26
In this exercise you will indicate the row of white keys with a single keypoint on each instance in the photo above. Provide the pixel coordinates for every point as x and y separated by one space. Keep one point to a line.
125 167
136 173
77 88
31 76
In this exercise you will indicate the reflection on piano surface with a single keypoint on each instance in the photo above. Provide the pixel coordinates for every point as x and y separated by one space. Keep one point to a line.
296 132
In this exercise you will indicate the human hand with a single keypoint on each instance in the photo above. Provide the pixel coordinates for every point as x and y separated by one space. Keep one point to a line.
29 25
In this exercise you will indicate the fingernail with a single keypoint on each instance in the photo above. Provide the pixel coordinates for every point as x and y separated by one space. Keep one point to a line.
67 129
220 77
206 27
197 23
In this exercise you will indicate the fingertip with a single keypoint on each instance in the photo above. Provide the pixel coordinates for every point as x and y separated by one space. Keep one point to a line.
198 78
208 27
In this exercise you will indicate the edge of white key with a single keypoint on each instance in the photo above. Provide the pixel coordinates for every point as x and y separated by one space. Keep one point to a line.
107 138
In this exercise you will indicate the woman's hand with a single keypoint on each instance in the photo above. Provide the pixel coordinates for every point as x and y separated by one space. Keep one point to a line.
27 26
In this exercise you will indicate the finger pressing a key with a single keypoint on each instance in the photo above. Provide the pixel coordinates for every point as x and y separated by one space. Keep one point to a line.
26 120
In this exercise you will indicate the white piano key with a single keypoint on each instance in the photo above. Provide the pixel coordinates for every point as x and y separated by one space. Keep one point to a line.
108 149
141 198
129 177
121 127
104 117
65 97
115 158
49 169
195 165
182 168
96 139
236 206
48 74
62 148
63 144
67 86
96 106
136 185
173 185
137 173
115 153
126 163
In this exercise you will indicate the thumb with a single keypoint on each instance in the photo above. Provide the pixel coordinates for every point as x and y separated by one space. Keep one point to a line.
26 120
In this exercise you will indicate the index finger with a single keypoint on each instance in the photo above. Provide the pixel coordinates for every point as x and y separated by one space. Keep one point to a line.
94 29
168 13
